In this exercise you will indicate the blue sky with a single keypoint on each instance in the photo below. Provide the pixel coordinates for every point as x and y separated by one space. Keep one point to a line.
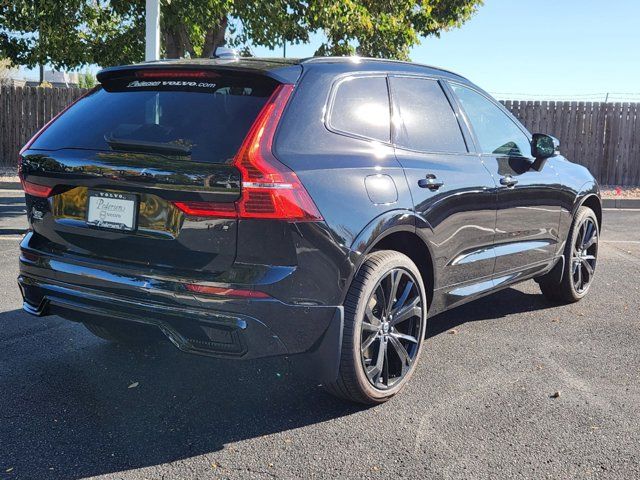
575 49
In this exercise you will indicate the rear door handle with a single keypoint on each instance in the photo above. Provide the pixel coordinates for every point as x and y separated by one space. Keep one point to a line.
430 181
508 181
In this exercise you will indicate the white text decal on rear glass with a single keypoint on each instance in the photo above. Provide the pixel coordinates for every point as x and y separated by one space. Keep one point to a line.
138 84
171 83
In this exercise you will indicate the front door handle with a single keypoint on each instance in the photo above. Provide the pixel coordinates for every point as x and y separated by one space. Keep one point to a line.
508 181
430 181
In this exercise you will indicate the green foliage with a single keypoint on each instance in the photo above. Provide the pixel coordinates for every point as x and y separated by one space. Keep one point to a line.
86 79
386 29
372 28
68 34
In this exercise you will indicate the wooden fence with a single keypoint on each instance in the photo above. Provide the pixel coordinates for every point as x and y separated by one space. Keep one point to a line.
23 110
605 137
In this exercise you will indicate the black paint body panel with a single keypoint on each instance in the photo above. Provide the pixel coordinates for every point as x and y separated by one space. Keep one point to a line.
477 235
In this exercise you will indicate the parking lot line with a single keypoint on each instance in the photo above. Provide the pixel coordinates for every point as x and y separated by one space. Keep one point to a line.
620 241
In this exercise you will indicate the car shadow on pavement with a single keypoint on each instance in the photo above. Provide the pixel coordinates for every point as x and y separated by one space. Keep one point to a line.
76 406
506 302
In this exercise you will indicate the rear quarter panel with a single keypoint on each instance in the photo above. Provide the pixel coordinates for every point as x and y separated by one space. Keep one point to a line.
332 166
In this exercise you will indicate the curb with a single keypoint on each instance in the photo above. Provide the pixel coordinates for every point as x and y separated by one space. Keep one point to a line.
620 203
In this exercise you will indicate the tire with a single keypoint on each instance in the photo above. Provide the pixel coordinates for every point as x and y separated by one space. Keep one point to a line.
568 289
361 377
124 333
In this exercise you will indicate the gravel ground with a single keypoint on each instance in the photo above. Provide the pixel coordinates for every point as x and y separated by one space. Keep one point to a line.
608 191
8 175
509 387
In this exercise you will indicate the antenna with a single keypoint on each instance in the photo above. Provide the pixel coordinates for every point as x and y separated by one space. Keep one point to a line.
225 52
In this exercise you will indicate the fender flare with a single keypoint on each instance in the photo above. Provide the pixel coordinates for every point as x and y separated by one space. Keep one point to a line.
382 226
586 192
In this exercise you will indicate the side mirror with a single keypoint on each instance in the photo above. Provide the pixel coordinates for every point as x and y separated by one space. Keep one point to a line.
544 146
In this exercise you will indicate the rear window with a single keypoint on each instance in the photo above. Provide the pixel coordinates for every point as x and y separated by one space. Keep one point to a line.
361 107
203 119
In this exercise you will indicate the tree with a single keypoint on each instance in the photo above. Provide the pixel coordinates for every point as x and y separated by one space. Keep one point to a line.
72 33
69 34
86 79
6 71
386 29
372 28
193 28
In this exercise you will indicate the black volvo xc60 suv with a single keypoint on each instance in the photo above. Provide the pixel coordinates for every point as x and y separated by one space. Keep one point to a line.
320 209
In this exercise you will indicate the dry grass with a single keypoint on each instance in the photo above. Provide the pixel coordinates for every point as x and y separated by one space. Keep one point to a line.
8 175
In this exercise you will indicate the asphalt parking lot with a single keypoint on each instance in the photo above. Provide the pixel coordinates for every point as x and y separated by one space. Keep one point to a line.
481 404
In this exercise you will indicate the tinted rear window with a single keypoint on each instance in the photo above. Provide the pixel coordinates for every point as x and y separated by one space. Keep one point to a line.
201 120
361 107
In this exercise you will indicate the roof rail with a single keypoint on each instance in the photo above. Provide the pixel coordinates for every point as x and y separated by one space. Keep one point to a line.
357 59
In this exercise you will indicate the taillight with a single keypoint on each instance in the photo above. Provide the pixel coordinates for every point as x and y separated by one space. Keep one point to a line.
208 209
269 189
35 189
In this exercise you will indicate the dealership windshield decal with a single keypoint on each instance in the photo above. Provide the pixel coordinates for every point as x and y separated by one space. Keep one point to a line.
170 83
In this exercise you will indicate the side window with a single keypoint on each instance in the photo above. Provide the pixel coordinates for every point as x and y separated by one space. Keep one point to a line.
425 119
361 107
496 132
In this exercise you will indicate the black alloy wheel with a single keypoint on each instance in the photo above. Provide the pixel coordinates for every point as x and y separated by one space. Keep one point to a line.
585 252
570 280
385 315
391 328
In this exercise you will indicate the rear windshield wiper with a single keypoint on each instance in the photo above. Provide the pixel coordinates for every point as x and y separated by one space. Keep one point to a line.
145 146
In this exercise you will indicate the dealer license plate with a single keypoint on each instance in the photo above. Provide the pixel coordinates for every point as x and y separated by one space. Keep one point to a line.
113 210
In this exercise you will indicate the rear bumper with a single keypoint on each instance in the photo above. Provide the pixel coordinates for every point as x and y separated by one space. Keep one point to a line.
241 328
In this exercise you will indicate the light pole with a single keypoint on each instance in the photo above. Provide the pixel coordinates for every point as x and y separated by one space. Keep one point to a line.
152 31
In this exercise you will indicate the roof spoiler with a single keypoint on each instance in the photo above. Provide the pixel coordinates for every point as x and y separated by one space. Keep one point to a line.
223 65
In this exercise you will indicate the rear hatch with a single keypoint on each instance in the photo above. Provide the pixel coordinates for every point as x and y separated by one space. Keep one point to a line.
141 170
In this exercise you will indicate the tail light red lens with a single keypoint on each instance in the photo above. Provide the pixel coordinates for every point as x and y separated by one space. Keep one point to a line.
270 190
208 209
35 189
